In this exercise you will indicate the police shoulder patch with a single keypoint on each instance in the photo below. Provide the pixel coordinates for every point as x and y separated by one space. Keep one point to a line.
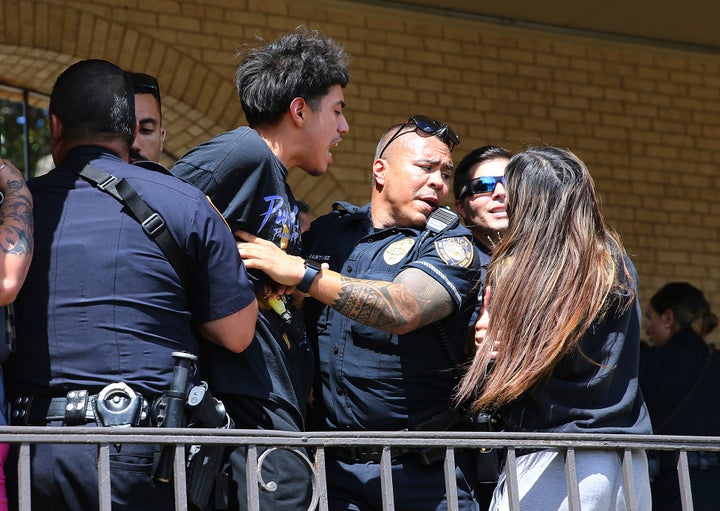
397 250
455 251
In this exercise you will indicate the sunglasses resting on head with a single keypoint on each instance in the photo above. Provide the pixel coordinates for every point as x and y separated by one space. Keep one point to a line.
426 125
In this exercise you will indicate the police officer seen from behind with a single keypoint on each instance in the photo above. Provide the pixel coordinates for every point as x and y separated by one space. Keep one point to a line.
103 310
388 310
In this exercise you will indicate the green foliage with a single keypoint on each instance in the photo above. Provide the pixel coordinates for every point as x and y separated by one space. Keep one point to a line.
12 137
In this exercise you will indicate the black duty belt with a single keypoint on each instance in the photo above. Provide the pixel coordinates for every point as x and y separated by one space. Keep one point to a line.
367 453
115 405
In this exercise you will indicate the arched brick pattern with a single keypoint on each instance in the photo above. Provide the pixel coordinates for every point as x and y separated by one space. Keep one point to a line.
38 40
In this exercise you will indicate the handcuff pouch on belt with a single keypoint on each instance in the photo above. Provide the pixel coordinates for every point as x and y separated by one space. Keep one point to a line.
119 405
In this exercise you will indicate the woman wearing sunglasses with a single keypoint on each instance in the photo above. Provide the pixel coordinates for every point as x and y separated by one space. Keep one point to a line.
558 350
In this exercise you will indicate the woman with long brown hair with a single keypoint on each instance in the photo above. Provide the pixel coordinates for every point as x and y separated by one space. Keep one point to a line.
557 346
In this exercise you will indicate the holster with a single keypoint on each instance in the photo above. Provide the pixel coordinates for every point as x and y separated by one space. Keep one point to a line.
489 460
439 418
204 470
445 418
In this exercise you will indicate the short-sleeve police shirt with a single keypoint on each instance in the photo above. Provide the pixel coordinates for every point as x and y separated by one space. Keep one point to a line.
101 302
372 379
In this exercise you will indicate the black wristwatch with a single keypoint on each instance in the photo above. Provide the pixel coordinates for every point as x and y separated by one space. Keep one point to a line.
312 268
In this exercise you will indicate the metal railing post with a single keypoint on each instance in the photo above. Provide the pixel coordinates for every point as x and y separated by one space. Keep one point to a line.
251 477
451 480
322 479
180 478
629 486
386 483
24 482
511 480
571 480
104 489
683 471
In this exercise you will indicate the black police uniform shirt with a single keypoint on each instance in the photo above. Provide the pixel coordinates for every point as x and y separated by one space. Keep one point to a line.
597 390
247 183
372 379
101 303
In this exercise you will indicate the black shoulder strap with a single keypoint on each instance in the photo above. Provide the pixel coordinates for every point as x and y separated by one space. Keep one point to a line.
152 223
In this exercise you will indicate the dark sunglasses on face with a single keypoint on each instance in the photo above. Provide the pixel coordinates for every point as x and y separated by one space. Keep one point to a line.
145 83
431 127
482 184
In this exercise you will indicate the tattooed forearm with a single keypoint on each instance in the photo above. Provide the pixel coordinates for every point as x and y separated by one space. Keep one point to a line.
372 303
16 220
398 307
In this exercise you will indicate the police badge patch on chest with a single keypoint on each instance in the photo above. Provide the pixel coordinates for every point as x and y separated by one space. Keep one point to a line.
397 250
455 251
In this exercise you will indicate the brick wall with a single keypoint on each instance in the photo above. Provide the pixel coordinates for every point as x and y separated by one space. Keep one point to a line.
645 119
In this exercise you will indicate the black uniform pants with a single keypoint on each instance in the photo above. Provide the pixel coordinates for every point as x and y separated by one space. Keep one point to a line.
65 477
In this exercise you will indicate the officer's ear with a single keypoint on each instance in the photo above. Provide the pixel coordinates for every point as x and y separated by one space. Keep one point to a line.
379 172
56 129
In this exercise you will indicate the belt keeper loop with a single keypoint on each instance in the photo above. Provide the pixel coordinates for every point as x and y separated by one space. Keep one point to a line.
21 411
76 404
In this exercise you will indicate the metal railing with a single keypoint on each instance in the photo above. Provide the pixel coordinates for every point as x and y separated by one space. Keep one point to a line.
181 438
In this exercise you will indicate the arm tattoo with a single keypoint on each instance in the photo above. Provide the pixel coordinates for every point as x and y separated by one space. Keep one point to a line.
371 302
16 220
413 300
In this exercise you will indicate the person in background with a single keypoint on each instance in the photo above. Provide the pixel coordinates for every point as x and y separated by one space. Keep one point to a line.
559 338
16 249
103 310
291 90
680 378
390 296
479 188
150 136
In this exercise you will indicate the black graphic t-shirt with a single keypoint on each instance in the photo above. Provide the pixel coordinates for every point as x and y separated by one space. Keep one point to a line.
247 183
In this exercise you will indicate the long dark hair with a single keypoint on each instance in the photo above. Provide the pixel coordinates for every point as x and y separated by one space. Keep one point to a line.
551 277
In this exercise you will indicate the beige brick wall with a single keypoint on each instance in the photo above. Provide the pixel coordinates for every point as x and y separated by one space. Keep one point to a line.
645 119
